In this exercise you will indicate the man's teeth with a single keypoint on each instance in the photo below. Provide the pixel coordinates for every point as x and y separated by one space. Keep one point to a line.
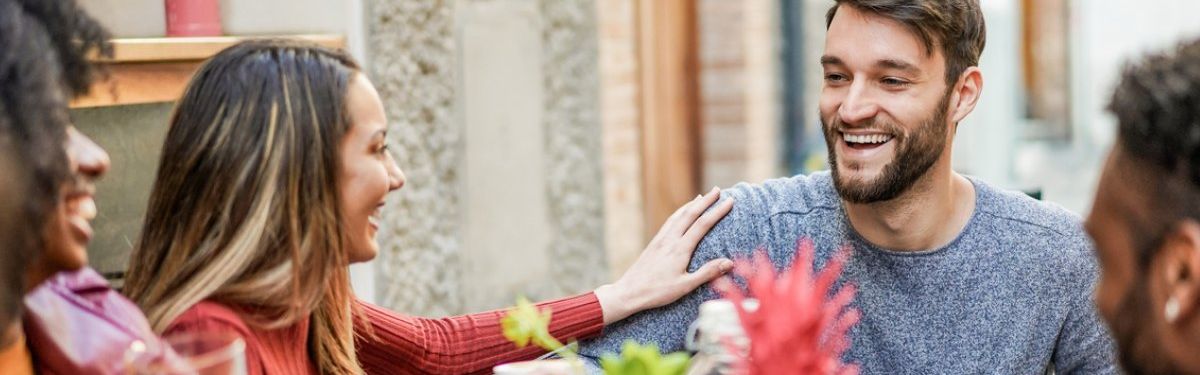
86 208
867 138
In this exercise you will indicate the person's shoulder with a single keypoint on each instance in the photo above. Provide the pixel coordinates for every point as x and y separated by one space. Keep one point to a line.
1019 209
756 205
1042 229
209 316
795 194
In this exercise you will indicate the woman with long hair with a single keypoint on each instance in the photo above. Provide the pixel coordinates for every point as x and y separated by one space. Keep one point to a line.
271 182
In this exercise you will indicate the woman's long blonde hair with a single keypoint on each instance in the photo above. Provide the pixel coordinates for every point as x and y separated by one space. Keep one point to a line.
244 209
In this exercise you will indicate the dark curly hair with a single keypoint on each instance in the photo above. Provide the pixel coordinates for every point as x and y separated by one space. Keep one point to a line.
1157 106
45 47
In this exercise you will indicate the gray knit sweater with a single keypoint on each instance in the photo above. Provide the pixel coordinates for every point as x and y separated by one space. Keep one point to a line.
1010 295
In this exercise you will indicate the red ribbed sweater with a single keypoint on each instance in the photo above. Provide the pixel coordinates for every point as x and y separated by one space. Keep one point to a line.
467 344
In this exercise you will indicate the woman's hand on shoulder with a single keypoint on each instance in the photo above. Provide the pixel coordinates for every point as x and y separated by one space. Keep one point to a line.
659 276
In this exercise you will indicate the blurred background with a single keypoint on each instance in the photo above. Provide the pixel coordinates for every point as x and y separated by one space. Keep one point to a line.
545 140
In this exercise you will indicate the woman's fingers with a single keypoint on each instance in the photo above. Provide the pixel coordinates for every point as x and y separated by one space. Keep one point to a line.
709 271
691 238
691 212
659 275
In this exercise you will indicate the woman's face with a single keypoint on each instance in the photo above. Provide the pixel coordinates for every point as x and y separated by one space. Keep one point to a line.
368 172
70 229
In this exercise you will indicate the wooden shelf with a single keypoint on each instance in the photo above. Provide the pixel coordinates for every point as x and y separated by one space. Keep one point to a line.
152 70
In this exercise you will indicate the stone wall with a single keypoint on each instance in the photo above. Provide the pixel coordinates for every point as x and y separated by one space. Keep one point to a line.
504 194
573 144
411 45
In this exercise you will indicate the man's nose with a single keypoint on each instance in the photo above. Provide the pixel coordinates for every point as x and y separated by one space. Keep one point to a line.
858 105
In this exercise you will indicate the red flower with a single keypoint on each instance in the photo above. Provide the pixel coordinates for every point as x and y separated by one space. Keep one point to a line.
798 328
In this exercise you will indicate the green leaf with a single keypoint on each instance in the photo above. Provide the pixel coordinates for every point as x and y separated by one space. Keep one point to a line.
612 364
675 363
637 359
524 324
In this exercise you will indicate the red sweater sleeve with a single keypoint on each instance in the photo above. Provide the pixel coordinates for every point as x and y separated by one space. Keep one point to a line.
467 344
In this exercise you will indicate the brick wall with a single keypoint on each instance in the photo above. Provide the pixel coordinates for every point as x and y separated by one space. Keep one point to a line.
739 80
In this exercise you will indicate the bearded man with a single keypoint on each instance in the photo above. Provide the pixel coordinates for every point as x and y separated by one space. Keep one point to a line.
954 276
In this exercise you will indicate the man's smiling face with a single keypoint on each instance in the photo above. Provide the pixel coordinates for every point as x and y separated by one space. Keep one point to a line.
884 106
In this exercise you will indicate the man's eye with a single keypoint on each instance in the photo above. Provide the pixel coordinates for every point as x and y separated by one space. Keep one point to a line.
894 82
835 78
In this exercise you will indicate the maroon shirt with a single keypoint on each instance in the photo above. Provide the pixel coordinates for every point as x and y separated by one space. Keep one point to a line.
75 323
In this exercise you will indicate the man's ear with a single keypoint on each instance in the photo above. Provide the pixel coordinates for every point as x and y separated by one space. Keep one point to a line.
966 94
1179 271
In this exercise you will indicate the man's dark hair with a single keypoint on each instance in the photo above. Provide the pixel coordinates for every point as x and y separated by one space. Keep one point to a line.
954 26
45 46
1157 105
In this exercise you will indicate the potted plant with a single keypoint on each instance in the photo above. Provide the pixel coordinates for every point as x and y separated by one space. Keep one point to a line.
801 322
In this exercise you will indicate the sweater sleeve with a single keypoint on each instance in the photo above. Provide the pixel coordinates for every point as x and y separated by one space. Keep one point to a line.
467 344
1084 345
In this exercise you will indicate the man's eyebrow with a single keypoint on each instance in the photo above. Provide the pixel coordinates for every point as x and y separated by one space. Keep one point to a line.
898 65
892 64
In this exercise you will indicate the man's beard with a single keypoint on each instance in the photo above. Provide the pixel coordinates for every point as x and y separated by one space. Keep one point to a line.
915 154
1140 350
